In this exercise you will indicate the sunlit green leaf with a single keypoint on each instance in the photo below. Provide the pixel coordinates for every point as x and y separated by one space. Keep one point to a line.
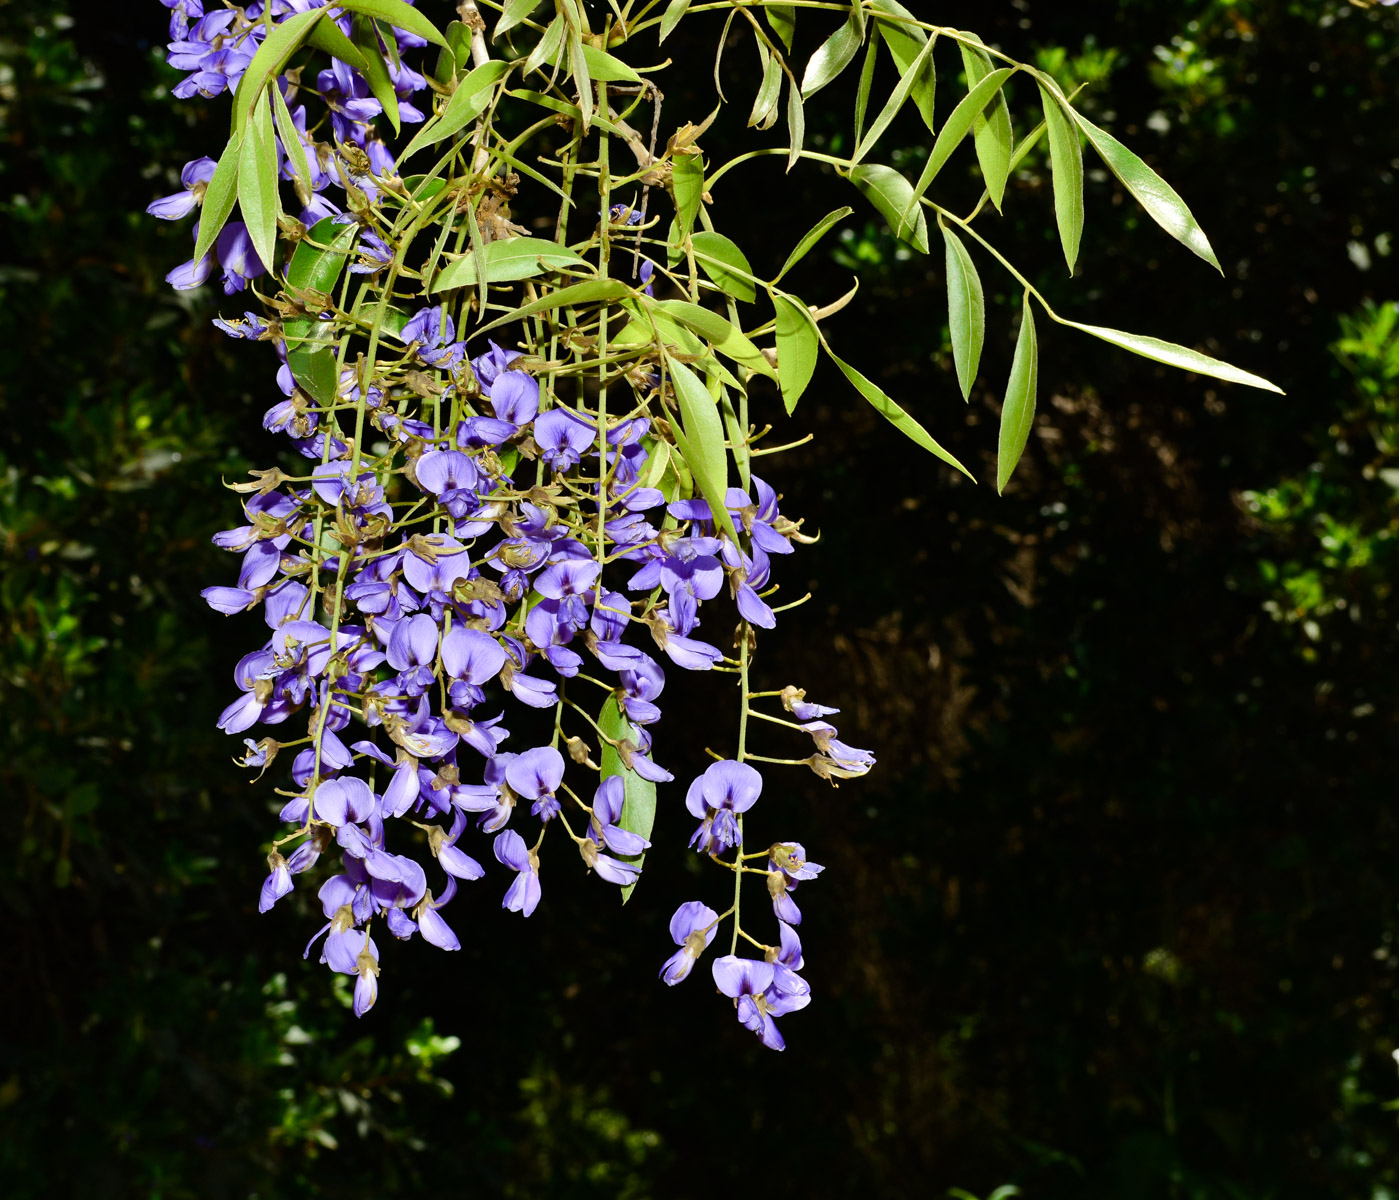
966 311
814 235
1152 192
271 57
1018 407
765 104
513 14
219 197
291 140
639 809
399 15
701 438
893 196
327 36
832 56
376 70
687 184
720 333
674 11
471 98
590 292
905 44
991 127
783 19
894 104
862 93
508 260
1174 356
257 183
796 126
798 345
719 251
1066 159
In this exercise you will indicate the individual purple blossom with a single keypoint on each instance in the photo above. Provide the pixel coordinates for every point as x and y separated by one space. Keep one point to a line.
536 775
836 759
277 884
351 105
487 367
237 257
692 928
750 983
608 802
367 983
470 658
514 398
374 255
564 437
787 866
195 177
523 894
455 862
343 801
718 797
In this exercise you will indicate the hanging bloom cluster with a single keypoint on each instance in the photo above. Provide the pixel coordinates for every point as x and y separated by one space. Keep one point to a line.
476 529
542 517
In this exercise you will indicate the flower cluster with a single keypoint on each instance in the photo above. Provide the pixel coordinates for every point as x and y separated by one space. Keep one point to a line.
474 537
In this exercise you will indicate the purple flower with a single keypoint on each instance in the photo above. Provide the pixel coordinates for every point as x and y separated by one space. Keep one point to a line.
564 437
195 177
277 884
692 928
450 476
523 895
725 790
489 365
237 257
758 1001
608 803
536 775
787 866
514 397
836 760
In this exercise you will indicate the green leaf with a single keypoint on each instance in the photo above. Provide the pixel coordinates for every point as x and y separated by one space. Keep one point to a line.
1066 157
649 327
509 260
783 19
590 292
1152 192
894 197
718 252
399 15
603 68
315 372
956 127
674 11
1174 356
796 126
454 56
639 808
895 415
376 70
327 37
702 441
764 114
905 44
966 311
798 345
219 197
862 93
832 56
720 333
687 185
991 128
270 58
547 49
257 183
1018 408
894 104
814 235
317 268
514 13
469 101
291 140
582 80
738 436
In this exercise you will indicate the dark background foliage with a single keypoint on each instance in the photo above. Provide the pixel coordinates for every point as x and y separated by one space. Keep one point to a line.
1115 915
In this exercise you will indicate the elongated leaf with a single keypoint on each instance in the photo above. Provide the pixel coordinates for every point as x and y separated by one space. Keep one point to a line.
1018 407
327 36
315 268
798 346
514 13
764 114
270 58
895 415
832 56
814 235
291 141
315 373
590 292
469 101
1152 192
257 183
783 19
991 129
399 15
702 441
862 93
893 195
582 80
219 197
720 333
894 104
674 11
639 808
956 128
1066 158
548 48
796 126
719 252
604 68
966 311
454 59
905 43
376 70
687 184
738 436
512 259
1174 356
